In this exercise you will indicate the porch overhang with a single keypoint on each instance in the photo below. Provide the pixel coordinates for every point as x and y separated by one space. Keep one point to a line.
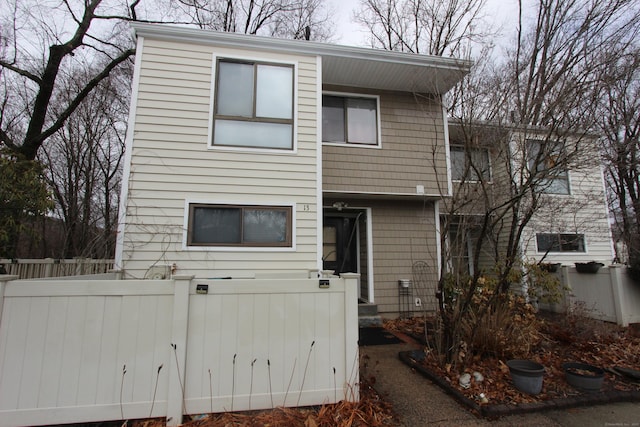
341 65
342 195
395 71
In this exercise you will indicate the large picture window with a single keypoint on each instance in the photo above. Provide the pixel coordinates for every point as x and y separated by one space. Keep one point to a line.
233 225
560 242
253 105
349 120
471 167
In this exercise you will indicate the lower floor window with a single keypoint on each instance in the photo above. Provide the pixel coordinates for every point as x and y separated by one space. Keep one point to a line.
236 225
560 242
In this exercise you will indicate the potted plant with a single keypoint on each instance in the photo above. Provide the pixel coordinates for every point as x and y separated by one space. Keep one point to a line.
590 267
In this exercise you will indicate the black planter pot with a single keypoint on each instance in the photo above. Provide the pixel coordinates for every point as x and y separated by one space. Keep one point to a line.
550 267
588 267
527 375
583 376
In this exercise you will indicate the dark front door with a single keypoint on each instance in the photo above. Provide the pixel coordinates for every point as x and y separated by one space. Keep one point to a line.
340 244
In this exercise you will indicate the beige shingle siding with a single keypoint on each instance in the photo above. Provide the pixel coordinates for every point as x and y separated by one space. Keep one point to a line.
412 150
171 163
403 233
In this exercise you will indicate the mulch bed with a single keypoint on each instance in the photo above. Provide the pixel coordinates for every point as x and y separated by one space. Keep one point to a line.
587 341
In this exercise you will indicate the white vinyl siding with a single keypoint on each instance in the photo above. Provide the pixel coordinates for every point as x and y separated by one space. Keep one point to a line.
582 212
172 163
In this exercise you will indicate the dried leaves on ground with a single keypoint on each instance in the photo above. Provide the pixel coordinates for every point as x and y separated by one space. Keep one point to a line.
565 338
371 410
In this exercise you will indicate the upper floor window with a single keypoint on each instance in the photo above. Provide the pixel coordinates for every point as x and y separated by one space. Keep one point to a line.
470 165
560 242
239 225
253 105
545 161
350 120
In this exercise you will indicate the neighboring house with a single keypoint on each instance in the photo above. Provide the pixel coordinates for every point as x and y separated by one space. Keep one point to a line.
571 220
258 157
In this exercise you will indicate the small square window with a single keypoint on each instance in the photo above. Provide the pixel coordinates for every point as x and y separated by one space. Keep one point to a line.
349 120
247 226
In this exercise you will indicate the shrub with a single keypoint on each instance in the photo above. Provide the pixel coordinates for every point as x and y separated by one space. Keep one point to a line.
481 321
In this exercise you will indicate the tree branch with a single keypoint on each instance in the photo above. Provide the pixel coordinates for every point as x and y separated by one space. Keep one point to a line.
20 71
86 90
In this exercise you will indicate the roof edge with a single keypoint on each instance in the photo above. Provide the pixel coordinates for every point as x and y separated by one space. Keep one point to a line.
178 33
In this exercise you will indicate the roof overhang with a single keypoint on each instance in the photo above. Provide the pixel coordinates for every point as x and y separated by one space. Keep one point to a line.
341 65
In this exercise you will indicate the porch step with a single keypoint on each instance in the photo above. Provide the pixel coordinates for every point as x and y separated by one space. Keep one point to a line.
369 321
368 315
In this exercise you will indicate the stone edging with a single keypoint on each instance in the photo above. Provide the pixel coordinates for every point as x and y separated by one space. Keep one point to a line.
500 410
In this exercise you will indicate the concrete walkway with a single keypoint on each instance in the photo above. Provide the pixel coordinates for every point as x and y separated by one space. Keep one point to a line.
419 402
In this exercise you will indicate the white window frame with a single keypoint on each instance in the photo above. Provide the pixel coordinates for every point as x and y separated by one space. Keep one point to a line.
468 247
378 145
212 98
541 252
454 146
235 248
547 182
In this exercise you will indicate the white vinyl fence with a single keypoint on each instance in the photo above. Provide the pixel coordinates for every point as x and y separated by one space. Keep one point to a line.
610 294
96 350
49 267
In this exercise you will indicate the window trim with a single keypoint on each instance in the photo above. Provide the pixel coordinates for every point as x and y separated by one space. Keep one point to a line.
457 229
489 165
560 251
378 144
288 246
255 60
547 182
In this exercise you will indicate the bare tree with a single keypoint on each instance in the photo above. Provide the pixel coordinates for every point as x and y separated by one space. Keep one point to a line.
558 54
56 59
276 18
83 167
37 50
422 26
618 112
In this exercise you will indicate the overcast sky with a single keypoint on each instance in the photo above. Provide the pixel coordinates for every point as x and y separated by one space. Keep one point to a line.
500 12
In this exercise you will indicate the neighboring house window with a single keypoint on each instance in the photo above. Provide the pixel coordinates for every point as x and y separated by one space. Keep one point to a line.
350 120
460 250
543 158
560 242
253 105
231 225
469 167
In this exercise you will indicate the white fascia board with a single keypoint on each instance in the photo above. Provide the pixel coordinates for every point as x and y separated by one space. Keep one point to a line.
174 32
450 70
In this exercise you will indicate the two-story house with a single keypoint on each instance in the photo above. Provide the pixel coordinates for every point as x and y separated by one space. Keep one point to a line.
554 180
258 157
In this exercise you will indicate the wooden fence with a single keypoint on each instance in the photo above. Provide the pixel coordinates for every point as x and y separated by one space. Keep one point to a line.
49 267
80 351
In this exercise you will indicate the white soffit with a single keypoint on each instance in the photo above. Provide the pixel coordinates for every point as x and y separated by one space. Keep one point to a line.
341 65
